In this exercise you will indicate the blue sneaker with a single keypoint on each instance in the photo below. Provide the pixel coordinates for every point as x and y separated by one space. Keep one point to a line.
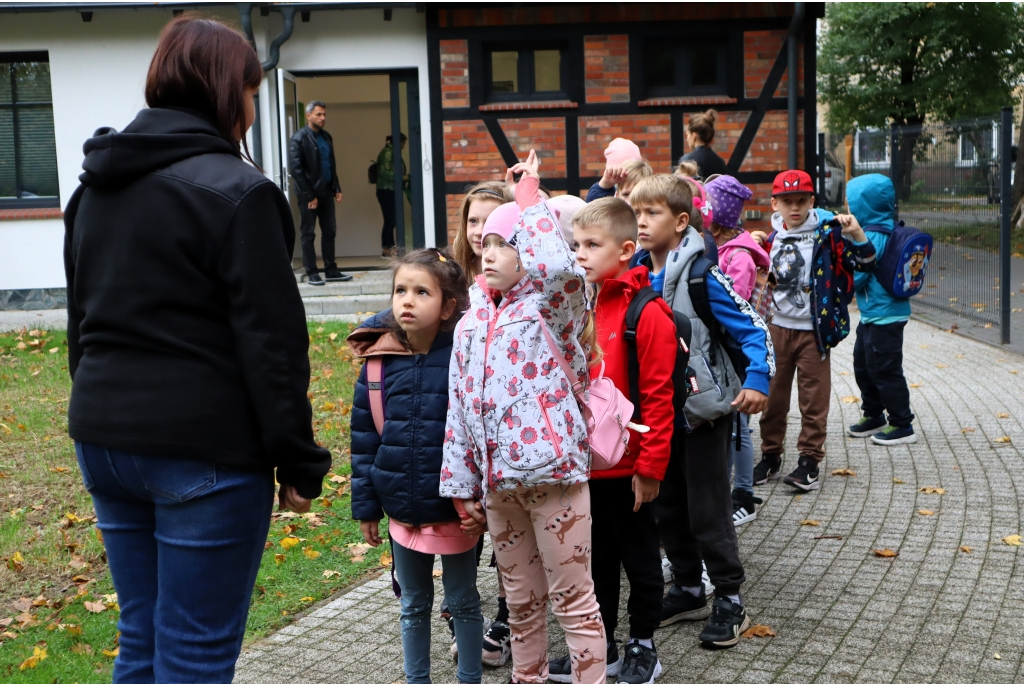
895 435
867 426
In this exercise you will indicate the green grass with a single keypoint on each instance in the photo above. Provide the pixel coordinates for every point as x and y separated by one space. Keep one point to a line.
51 551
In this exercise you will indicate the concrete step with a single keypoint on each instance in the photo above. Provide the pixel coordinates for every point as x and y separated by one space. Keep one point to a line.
345 304
362 283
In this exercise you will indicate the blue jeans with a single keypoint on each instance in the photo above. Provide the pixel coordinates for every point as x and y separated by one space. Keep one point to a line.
416 578
184 540
741 461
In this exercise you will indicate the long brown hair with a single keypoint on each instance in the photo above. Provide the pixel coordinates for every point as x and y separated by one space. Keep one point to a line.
450 278
205 65
495 191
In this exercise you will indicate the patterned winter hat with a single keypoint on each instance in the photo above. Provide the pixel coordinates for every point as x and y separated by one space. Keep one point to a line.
727 195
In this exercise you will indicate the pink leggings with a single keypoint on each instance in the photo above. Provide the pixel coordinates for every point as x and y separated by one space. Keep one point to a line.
541 537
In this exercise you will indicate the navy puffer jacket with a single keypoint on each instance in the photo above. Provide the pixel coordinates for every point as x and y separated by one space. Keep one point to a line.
398 474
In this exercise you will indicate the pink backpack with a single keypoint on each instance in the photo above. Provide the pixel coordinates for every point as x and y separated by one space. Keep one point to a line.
607 414
375 384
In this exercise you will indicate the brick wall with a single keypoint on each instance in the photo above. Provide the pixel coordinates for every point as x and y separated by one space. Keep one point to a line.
760 48
545 134
618 12
454 73
606 61
651 132
476 159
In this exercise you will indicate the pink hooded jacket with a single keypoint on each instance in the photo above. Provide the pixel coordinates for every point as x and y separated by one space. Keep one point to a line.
739 259
511 412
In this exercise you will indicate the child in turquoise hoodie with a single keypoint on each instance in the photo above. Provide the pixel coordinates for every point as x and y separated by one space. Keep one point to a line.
878 351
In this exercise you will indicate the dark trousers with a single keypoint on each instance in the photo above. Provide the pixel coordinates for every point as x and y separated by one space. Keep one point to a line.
624 539
307 229
878 367
386 198
184 539
694 509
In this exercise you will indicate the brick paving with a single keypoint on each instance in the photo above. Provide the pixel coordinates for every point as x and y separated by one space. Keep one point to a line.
933 614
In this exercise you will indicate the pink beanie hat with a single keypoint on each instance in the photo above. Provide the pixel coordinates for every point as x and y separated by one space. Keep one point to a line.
620 151
502 221
565 208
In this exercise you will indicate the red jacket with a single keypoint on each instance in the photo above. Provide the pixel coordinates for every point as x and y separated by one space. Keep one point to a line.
648 453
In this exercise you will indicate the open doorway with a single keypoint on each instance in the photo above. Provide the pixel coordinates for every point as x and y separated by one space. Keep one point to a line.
362 111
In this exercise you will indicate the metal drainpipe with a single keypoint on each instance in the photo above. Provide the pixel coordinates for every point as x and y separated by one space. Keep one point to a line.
794 33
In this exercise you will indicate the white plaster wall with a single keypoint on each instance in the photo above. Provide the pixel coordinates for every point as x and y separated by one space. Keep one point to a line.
31 254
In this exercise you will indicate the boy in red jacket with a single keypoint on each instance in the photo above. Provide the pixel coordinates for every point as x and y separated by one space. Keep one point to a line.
624 530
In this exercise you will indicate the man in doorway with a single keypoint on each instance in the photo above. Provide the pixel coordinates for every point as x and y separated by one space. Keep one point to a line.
312 166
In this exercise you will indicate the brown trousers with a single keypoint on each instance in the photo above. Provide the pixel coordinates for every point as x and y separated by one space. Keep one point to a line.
797 354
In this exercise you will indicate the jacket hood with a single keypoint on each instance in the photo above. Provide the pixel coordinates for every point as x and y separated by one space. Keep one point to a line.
375 337
630 282
156 139
679 260
744 242
872 199
814 219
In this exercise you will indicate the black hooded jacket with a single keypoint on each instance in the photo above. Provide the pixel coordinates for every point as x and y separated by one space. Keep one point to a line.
186 332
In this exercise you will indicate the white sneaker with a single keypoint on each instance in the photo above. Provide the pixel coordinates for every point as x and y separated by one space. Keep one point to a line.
666 570
666 573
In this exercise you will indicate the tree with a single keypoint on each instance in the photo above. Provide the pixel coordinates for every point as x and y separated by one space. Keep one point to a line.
900 63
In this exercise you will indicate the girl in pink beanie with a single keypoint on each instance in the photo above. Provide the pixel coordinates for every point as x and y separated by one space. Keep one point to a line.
516 456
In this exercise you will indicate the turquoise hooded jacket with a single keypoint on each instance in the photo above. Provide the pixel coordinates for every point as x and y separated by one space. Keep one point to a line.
872 199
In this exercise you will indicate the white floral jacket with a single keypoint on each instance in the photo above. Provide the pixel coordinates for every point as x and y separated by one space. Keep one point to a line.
511 411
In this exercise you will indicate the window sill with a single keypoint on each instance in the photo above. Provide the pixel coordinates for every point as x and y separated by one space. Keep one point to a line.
529 104
46 213
688 100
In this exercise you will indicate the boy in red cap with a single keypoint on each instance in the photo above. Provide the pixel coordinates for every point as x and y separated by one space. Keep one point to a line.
814 265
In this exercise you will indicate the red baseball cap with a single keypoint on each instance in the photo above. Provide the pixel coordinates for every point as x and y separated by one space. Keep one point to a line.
793 181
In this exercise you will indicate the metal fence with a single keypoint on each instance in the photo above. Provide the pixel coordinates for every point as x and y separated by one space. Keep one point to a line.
953 181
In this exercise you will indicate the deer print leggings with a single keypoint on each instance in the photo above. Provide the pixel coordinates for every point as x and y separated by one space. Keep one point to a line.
541 538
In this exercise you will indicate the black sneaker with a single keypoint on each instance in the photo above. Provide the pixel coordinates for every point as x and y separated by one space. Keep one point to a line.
895 435
769 468
560 669
335 275
744 507
805 475
315 279
728 621
867 426
497 644
680 605
640 665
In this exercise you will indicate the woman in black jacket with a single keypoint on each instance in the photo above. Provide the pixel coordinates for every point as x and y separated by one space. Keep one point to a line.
188 351
700 131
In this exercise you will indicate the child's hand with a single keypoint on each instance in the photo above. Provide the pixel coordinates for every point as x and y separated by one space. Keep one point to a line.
644 490
760 236
530 167
371 532
750 401
474 520
851 227
613 175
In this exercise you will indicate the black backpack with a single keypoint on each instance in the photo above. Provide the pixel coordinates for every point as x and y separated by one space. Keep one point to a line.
682 376
371 173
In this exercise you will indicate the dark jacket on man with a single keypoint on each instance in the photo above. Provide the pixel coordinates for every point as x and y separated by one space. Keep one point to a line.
304 165
186 331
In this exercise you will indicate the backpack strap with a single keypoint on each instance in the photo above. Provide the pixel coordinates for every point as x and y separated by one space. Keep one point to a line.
375 383
698 291
570 375
643 297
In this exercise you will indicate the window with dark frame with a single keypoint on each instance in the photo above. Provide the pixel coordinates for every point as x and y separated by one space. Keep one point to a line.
28 173
699 69
525 74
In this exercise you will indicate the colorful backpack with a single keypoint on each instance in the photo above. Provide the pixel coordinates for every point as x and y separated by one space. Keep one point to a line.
763 291
606 413
902 265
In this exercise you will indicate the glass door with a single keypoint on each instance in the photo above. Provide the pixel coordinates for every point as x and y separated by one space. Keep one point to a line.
405 119
288 123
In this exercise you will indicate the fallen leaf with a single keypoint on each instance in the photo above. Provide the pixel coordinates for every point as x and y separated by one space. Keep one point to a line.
22 604
72 629
1002 415
897 481
289 542
279 558
81 648
112 652
758 630
928 490
308 599
967 430
328 406
331 574
915 385
926 512
310 553
7 635
385 559
96 607
59 469
810 522
77 562
965 549
923 347
81 580
844 472
885 552
996 655
16 563
851 399
339 479
54 350
844 373
942 366
438 573
1004 440
33 661
1012 540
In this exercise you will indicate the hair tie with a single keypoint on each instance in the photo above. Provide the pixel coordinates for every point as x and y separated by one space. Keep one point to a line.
440 256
